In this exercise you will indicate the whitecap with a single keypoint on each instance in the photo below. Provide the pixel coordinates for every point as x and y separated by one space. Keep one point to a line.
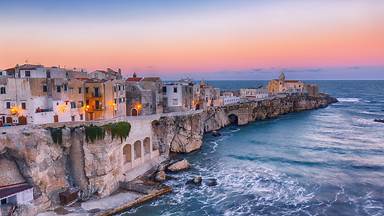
348 100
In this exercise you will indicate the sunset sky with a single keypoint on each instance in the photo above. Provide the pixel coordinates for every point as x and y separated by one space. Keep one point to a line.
197 38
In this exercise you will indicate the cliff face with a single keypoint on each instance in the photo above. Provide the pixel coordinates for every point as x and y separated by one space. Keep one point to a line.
183 134
96 167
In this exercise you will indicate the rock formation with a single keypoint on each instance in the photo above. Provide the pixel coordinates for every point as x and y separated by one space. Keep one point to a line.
53 160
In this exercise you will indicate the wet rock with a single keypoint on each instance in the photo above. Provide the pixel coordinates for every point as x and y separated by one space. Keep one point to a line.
216 133
160 176
179 166
195 181
211 182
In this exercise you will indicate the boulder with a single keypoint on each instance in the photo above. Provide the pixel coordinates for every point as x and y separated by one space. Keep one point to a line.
160 176
211 182
195 181
179 166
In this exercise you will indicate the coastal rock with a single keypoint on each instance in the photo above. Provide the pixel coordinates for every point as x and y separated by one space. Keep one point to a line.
160 176
195 181
179 166
211 182
216 133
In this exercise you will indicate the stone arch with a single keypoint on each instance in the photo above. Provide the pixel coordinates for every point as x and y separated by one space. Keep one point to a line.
147 145
127 152
137 149
233 119
134 112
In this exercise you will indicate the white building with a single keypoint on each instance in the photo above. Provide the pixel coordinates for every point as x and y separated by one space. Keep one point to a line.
230 100
254 93
16 194
28 94
178 96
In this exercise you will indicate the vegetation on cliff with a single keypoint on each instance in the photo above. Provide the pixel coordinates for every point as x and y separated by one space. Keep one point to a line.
119 129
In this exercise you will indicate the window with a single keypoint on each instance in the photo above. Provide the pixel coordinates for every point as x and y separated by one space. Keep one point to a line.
81 117
23 105
81 103
8 104
114 88
73 118
87 102
58 89
86 90
175 89
119 88
80 90
96 89
73 105
3 90
3 201
48 74
27 73
45 88
1 73
97 104
164 89
115 101
65 87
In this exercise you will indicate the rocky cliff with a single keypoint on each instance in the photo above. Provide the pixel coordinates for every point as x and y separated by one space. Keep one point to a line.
55 159
183 134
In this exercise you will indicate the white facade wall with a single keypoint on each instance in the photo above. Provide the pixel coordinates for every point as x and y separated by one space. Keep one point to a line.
174 99
25 196
230 100
258 93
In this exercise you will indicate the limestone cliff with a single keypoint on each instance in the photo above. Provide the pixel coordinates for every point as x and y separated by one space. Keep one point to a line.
55 158
183 134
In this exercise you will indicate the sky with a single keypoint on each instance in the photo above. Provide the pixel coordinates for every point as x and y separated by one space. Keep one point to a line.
215 39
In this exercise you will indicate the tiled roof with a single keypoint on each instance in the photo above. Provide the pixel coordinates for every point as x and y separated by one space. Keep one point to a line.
134 79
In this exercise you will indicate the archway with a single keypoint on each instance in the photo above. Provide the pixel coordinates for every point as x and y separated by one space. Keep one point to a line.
137 148
127 153
134 112
233 119
147 145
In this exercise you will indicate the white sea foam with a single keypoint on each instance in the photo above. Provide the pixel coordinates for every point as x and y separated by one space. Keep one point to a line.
348 100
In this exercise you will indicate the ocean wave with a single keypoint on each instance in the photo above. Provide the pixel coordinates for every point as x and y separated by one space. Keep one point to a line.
348 100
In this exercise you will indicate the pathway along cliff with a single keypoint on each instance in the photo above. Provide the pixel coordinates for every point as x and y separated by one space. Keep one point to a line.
93 158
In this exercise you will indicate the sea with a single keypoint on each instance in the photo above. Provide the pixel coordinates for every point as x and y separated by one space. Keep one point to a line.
328 161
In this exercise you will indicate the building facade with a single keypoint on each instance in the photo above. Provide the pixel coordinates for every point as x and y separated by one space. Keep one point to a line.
283 86
178 96
254 93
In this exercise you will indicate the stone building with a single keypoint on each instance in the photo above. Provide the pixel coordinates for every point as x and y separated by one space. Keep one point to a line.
312 89
108 74
178 96
281 85
34 94
144 95
104 99
205 96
